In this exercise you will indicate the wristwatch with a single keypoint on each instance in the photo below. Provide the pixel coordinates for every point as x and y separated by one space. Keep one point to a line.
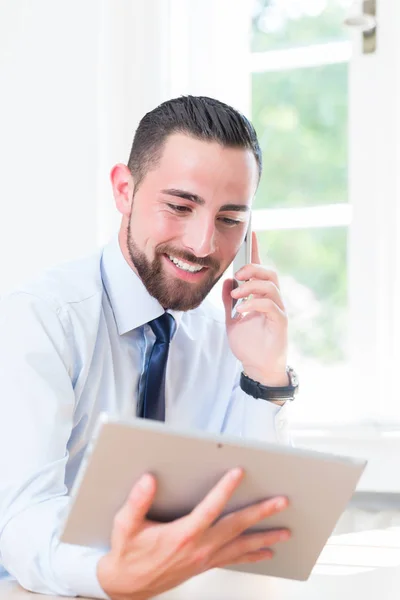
257 390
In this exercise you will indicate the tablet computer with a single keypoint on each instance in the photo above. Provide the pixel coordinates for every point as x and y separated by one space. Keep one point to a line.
186 466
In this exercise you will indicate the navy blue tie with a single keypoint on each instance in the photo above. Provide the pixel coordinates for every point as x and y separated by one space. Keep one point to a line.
153 406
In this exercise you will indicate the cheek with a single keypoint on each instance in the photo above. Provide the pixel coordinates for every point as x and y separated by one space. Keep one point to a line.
158 227
167 227
229 245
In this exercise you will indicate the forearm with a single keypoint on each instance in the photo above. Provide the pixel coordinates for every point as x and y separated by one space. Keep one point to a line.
37 406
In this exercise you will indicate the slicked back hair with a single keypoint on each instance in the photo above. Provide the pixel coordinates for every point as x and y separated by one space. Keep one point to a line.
200 117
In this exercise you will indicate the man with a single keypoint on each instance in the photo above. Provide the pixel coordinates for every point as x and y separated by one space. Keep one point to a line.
80 340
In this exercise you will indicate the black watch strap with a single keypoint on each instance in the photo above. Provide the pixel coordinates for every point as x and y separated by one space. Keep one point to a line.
257 390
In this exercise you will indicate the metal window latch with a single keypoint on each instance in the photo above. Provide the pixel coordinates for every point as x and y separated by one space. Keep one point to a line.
362 16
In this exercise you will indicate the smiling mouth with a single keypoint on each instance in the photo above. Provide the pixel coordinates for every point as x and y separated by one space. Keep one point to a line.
184 266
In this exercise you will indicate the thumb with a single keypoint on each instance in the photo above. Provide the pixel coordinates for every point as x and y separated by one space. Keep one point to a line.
130 518
227 299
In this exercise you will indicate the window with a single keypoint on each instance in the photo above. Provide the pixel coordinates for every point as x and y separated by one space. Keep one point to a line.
300 68
327 217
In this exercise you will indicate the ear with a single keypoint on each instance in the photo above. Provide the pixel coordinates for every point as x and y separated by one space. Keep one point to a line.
122 185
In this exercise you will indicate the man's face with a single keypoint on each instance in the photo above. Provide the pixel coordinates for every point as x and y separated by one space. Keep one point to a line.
189 217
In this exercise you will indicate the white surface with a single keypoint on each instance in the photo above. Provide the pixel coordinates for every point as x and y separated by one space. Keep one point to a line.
330 215
359 576
48 134
363 565
301 57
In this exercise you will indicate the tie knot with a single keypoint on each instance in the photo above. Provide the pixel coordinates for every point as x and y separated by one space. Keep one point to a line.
163 327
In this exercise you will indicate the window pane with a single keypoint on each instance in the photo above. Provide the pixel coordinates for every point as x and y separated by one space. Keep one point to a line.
312 270
279 24
301 120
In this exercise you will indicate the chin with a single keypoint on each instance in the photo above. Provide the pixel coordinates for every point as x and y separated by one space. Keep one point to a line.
180 303
181 297
183 306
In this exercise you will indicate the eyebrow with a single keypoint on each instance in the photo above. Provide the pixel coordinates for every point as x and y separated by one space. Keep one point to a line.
200 201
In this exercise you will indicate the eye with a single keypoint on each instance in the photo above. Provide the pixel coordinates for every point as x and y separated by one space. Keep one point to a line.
230 222
179 208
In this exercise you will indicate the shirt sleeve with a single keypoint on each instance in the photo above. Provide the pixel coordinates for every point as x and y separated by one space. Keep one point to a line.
37 407
256 418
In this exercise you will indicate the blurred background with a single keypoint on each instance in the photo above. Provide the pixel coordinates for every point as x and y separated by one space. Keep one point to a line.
320 80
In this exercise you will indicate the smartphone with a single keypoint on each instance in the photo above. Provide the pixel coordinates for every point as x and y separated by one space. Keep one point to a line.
242 258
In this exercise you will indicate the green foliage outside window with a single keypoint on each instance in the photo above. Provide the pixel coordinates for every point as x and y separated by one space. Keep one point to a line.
301 120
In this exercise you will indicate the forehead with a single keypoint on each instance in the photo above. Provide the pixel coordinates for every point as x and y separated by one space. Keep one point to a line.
209 165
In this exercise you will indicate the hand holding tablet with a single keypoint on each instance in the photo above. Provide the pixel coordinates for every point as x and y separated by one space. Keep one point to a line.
167 554
194 513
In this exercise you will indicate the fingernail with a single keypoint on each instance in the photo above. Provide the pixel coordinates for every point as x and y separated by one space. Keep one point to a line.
285 535
281 503
145 482
236 473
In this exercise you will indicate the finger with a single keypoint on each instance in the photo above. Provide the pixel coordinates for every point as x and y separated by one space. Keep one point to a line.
249 543
227 299
235 523
255 254
209 509
250 557
263 305
259 288
253 271
130 518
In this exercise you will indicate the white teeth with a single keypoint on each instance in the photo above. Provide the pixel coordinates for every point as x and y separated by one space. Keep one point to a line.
184 266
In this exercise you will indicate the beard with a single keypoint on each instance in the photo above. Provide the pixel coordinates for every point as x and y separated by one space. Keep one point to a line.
172 293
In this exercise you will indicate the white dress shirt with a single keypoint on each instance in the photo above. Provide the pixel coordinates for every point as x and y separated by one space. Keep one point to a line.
73 344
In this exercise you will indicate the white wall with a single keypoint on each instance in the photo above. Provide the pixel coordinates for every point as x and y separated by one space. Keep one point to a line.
75 78
71 90
48 57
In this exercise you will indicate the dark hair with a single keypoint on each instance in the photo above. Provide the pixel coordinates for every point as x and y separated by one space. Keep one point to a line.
198 116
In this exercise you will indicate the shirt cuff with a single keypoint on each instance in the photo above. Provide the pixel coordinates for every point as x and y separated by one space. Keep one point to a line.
266 421
77 568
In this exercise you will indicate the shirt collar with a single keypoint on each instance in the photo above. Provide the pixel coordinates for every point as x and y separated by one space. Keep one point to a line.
130 301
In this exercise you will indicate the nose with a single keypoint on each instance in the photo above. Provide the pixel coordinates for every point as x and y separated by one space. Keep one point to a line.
200 237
